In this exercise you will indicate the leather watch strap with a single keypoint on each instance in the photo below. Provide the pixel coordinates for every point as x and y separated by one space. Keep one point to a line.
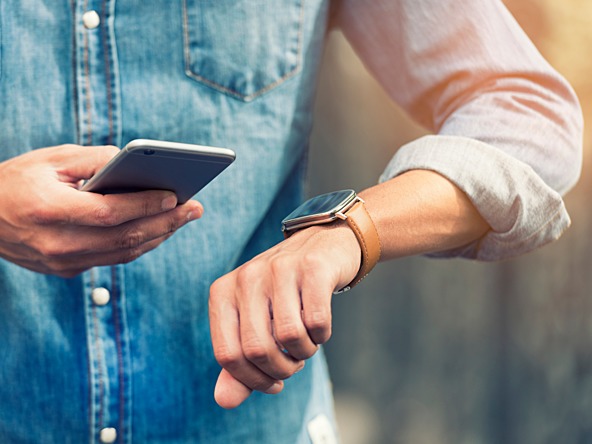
363 227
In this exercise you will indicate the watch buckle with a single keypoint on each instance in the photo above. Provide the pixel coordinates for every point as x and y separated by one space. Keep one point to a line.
343 290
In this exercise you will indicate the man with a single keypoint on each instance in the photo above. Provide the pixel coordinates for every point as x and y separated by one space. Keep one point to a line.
95 350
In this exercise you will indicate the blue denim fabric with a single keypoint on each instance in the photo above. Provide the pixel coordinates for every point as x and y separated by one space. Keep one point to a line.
238 74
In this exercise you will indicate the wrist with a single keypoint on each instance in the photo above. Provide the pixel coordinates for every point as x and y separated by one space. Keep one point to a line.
340 209
338 245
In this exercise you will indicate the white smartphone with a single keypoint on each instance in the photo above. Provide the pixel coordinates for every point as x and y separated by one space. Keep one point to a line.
157 165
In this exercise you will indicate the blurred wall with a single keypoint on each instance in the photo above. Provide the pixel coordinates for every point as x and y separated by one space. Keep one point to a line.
453 351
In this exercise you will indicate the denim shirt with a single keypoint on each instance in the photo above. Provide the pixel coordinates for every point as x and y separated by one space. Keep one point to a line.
127 347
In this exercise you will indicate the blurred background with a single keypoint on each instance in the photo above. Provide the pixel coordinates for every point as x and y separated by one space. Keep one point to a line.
452 351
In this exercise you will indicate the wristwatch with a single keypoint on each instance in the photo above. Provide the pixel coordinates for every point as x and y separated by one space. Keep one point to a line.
339 205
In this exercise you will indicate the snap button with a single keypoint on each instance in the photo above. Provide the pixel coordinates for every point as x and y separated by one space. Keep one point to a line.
91 19
101 296
108 435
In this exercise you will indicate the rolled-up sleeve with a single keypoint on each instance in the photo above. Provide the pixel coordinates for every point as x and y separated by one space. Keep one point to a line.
507 127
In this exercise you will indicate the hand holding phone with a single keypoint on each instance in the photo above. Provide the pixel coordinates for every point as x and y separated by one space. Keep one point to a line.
48 226
157 165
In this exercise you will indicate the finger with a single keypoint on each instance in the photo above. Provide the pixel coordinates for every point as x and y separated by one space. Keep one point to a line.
80 162
257 340
225 333
74 207
92 209
65 241
88 261
288 328
133 234
230 392
317 292
72 266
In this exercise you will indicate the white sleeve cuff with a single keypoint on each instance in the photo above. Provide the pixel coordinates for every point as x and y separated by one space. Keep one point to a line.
524 213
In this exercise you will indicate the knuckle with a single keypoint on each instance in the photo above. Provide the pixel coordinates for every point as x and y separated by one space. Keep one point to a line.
249 272
321 336
105 215
288 333
313 261
255 351
146 208
282 374
317 319
131 240
218 289
318 324
54 249
226 357
280 264
173 225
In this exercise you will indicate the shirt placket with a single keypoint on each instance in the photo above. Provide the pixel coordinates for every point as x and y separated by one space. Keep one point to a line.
109 356
97 73
97 103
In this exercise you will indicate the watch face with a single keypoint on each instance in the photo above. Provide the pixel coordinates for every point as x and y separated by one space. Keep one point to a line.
319 209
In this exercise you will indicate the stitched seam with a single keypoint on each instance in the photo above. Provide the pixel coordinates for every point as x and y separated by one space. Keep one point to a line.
367 267
74 71
106 50
117 326
90 371
245 97
100 375
186 37
88 85
364 270
377 237
99 365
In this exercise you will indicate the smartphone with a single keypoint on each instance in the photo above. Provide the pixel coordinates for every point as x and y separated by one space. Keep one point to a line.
157 165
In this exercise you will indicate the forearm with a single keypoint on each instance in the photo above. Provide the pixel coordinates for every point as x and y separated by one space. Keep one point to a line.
421 212
507 127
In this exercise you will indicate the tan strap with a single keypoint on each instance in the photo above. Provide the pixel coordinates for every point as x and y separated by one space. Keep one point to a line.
363 227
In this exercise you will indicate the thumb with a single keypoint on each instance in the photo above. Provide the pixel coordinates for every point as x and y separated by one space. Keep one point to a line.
82 162
229 392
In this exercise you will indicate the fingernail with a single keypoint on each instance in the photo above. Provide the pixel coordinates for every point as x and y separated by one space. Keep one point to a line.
169 203
274 389
300 367
192 215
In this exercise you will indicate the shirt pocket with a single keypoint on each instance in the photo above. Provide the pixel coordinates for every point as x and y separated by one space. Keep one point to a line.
242 48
